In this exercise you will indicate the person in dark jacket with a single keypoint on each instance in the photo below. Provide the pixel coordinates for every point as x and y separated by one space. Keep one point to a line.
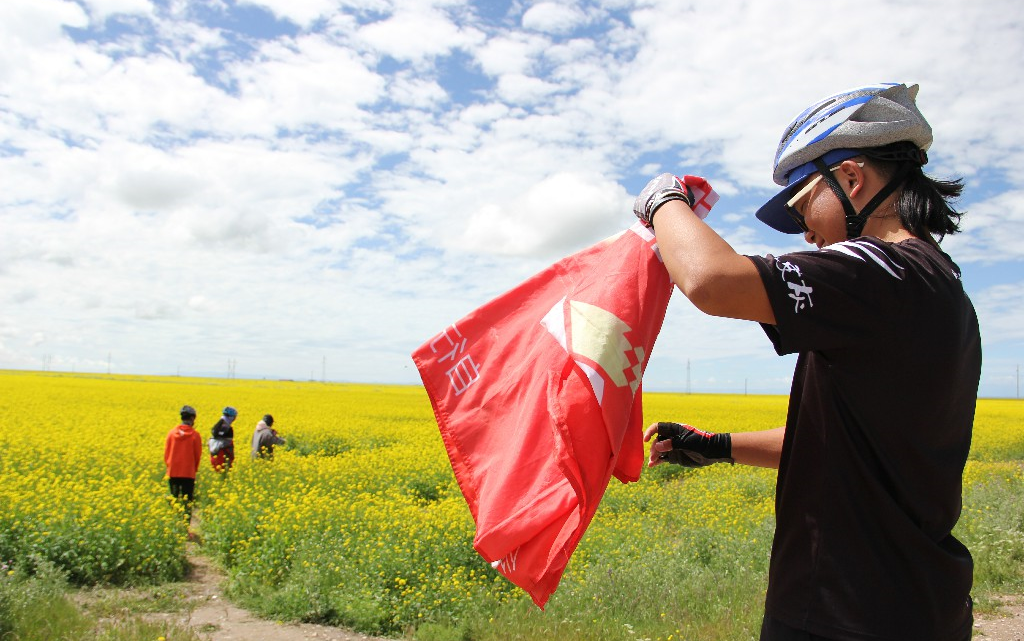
222 441
871 458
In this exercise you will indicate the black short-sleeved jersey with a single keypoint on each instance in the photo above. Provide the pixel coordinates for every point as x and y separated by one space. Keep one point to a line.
222 429
877 435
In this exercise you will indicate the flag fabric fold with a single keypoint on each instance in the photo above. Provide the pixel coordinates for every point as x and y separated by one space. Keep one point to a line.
537 396
704 197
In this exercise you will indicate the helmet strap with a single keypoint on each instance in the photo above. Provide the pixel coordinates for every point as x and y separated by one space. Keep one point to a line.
855 221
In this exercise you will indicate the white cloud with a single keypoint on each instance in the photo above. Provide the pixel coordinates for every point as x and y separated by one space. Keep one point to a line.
480 115
524 90
736 75
300 12
150 189
419 93
417 35
176 167
552 215
553 17
156 310
510 54
80 93
1000 310
35 23
306 82
100 10
993 230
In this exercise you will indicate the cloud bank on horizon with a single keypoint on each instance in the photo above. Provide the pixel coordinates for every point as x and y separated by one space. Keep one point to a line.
312 188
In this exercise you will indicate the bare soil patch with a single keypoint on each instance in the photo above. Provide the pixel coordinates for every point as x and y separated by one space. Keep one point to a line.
1006 625
216 619
198 603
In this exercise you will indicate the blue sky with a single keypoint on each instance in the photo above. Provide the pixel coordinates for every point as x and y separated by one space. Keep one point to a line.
313 188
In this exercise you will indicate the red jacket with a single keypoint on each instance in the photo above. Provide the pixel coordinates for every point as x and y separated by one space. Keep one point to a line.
182 452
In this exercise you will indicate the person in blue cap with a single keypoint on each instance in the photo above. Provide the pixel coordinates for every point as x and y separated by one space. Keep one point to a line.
222 441
870 461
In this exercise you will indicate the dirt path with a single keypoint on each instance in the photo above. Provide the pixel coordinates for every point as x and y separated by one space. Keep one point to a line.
214 618
1009 626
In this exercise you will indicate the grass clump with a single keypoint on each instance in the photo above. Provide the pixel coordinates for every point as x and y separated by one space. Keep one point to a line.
35 605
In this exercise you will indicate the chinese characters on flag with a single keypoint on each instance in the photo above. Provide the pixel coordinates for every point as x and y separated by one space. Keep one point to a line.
537 397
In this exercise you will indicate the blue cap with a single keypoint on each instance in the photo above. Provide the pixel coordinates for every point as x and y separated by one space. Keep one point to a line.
773 213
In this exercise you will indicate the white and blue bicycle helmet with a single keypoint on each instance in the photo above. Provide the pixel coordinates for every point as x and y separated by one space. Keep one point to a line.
841 127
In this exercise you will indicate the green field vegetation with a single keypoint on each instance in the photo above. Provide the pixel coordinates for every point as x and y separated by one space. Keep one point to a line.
358 521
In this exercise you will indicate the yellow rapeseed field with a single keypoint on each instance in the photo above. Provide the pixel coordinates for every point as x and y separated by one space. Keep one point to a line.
358 520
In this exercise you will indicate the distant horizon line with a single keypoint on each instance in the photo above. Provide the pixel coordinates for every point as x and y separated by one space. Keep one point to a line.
221 377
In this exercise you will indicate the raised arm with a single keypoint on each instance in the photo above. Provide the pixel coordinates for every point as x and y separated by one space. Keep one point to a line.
709 272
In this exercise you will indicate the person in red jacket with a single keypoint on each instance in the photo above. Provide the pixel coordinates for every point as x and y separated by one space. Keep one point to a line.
182 452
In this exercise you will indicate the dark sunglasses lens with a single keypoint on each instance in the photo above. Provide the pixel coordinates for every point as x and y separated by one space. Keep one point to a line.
797 218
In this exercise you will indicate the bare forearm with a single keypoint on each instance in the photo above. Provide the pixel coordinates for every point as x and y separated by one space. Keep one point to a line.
709 272
760 449
688 244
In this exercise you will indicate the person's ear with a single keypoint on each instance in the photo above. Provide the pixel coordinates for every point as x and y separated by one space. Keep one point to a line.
851 176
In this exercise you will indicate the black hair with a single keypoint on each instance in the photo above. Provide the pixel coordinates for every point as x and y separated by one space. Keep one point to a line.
924 204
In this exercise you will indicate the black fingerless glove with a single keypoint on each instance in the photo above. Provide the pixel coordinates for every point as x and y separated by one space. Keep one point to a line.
694 448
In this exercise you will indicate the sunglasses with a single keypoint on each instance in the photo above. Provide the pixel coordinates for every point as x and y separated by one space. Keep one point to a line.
790 205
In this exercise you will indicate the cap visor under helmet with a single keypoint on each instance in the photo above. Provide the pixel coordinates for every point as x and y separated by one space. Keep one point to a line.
773 213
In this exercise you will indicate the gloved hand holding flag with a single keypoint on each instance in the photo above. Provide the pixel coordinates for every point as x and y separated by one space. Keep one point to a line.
537 396
693 190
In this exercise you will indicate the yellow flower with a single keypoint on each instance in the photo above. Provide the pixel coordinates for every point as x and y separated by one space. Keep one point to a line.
362 491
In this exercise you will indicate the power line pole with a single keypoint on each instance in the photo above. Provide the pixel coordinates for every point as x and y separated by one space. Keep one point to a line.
687 376
323 371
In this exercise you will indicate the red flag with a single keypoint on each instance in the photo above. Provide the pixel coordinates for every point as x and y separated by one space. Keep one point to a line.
537 396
